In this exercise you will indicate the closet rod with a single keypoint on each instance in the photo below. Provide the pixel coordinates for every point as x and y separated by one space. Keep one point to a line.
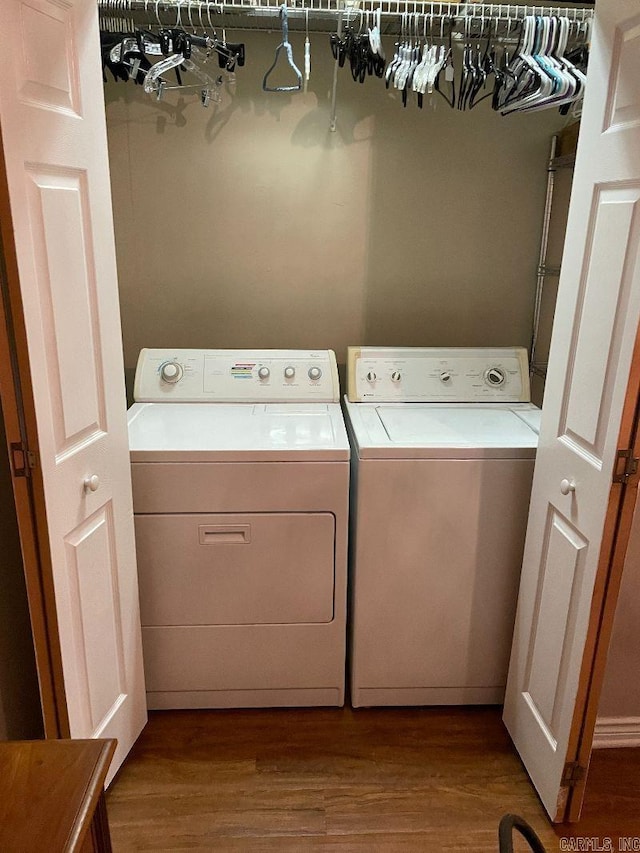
259 14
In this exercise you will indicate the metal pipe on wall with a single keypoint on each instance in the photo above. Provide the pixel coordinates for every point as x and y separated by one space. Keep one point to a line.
544 243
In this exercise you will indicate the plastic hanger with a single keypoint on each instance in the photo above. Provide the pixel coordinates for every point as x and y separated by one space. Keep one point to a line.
527 77
447 68
357 60
375 39
505 79
399 53
153 81
403 76
559 82
363 49
289 55
307 50
488 67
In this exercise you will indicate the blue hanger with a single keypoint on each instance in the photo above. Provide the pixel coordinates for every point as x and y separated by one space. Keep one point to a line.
289 54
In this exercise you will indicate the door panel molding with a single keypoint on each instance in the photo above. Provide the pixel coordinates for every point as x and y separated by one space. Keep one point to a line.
97 619
623 109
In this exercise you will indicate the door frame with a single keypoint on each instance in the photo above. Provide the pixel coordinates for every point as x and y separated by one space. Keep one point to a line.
20 423
616 536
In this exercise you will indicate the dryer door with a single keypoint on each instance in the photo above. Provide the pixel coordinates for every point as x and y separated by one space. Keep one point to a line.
236 569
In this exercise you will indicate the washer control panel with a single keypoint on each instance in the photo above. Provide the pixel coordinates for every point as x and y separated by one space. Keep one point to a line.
236 376
455 375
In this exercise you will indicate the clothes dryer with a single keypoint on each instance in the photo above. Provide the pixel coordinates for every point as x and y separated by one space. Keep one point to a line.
443 447
240 469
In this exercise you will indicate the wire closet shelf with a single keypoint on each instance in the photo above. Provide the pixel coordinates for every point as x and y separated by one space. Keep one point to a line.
324 15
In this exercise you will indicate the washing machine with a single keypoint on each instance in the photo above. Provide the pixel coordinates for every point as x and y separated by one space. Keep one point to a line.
443 447
240 470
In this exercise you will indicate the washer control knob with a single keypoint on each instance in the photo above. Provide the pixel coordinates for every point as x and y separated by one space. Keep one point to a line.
396 376
445 377
495 376
289 372
264 373
371 376
170 371
315 373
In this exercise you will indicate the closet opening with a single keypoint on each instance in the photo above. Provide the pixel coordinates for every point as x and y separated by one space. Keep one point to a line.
244 221
410 225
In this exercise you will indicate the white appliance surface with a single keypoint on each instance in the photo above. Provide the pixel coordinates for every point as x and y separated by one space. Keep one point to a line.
437 375
240 472
531 415
443 448
433 430
236 376
192 432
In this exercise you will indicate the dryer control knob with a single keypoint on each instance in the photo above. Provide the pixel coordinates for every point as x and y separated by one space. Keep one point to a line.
396 376
289 372
371 376
315 373
171 371
495 376
264 372
445 377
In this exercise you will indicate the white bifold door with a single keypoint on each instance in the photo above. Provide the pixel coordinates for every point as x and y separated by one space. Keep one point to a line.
54 137
593 339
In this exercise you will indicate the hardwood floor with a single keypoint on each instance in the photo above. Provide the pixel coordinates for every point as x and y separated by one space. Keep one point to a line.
612 804
369 780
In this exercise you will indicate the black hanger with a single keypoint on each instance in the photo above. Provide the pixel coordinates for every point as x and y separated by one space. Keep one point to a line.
488 67
132 65
340 46
448 70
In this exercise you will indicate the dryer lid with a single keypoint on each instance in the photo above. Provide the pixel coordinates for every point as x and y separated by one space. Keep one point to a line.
192 432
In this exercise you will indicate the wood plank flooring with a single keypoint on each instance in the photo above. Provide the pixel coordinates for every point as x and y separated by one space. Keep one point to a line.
294 780
612 802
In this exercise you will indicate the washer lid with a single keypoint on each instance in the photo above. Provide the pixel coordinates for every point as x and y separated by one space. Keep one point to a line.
532 417
196 432
431 430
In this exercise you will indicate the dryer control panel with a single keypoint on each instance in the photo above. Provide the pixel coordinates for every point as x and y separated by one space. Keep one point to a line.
456 375
236 376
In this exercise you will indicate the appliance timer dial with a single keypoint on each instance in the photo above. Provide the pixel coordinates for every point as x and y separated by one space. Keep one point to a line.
170 372
315 373
495 377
